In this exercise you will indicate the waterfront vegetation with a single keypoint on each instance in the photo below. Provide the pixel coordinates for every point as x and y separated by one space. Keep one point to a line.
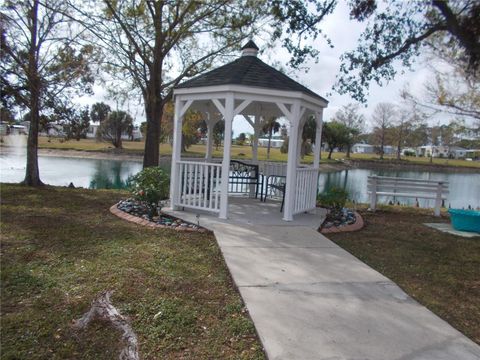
439 270
238 152
61 247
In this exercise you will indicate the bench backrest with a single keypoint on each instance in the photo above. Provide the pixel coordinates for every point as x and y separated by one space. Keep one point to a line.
273 168
406 185
242 170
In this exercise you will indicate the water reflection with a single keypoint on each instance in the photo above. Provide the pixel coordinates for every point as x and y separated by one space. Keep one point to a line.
111 175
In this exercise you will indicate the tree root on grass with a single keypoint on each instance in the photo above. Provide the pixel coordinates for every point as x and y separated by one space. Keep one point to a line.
103 309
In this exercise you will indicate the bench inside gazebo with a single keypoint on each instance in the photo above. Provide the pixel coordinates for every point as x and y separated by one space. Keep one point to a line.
248 88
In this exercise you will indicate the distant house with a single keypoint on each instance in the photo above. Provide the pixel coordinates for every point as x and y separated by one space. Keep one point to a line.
473 154
136 133
275 143
92 131
388 149
3 128
363 149
456 152
54 130
409 152
440 151
18 130
372 149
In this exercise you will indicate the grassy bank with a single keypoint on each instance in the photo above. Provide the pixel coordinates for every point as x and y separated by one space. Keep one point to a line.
439 270
245 152
61 247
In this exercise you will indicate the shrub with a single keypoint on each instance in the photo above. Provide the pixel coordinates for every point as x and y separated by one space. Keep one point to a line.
150 186
334 199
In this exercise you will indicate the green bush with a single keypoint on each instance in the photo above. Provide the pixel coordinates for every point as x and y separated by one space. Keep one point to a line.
150 186
334 199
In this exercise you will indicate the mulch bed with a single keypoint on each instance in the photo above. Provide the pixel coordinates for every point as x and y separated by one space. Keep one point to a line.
134 211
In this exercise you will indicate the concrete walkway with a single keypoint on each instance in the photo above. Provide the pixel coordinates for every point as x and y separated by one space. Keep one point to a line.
310 299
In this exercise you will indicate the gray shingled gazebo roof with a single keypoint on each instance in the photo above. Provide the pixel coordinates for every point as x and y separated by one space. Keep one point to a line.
248 71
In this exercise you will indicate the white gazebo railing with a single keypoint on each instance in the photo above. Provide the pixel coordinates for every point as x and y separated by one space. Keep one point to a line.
306 189
199 185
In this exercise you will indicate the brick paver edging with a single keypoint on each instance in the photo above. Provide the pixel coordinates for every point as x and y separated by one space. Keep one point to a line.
137 220
352 227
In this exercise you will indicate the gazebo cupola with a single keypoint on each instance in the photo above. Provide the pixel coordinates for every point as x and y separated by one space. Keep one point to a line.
250 49
249 88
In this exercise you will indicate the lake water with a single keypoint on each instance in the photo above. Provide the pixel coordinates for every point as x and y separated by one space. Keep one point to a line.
94 173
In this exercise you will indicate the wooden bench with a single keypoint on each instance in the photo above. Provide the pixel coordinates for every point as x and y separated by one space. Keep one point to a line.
406 187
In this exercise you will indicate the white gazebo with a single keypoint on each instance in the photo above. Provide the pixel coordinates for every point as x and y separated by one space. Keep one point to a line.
250 88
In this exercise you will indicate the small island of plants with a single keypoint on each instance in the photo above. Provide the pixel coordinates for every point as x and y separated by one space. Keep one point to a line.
150 191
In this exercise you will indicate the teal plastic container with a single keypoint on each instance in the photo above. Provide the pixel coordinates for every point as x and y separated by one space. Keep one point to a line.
465 220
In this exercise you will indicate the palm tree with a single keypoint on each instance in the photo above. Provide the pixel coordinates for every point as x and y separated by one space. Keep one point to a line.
270 127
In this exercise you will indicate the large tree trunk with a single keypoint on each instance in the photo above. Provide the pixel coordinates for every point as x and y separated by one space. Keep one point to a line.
154 102
330 153
399 144
382 145
118 136
153 110
32 175
348 151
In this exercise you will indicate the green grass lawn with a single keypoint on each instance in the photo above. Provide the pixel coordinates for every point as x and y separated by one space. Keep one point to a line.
61 247
439 270
238 152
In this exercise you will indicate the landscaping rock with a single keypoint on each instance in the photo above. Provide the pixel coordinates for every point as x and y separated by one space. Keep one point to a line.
135 208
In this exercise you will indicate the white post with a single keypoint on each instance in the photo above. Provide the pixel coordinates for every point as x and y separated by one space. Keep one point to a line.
176 154
292 162
227 142
299 142
256 134
210 126
373 194
438 198
318 139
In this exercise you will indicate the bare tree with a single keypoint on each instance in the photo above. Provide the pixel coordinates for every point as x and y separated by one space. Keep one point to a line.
383 119
407 119
42 62
350 116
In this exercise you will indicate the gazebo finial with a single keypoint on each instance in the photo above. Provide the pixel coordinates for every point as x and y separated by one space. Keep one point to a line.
250 49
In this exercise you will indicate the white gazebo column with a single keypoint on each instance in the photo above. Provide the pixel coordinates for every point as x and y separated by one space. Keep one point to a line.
257 127
299 142
303 120
176 154
227 142
290 185
318 139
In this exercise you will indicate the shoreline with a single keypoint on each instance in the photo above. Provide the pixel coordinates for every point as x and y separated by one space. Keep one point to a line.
325 167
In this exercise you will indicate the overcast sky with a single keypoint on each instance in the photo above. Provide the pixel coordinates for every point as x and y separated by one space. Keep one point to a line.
320 78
